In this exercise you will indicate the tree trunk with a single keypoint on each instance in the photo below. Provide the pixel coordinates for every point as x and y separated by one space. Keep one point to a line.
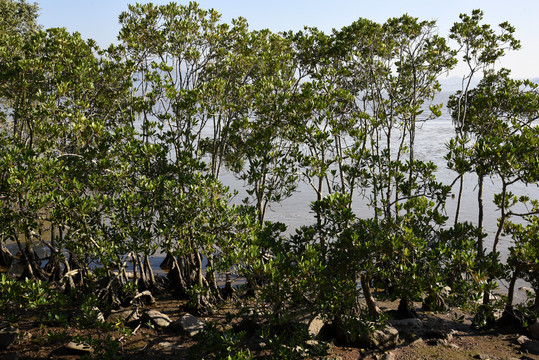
6 258
406 309
167 262
149 271
480 225
536 302
480 219
228 291
32 265
210 278
511 290
503 217
53 268
374 311
143 283
177 280
70 284
459 199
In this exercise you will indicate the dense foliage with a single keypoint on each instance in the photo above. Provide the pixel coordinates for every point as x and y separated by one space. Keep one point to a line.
109 156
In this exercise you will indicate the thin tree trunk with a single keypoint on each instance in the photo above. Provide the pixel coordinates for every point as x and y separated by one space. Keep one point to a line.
134 261
6 258
210 276
536 302
176 278
459 199
503 217
70 285
149 270
480 225
511 291
228 290
480 219
374 311
143 283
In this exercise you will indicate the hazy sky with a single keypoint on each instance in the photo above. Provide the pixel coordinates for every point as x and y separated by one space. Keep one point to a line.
98 19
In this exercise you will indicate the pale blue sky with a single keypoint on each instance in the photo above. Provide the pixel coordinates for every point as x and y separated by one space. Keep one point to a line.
98 19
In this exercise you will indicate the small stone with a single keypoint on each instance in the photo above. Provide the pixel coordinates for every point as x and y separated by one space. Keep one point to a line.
385 338
191 325
8 335
388 356
156 318
73 348
418 342
312 343
453 346
522 340
168 345
125 315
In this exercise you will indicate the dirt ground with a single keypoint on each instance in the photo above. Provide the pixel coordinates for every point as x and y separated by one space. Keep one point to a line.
434 336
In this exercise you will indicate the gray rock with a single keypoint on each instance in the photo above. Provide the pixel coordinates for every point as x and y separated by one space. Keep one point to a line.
125 315
414 322
155 318
533 330
8 335
385 338
165 345
314 326
188 324
418 342
313 322
74 348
